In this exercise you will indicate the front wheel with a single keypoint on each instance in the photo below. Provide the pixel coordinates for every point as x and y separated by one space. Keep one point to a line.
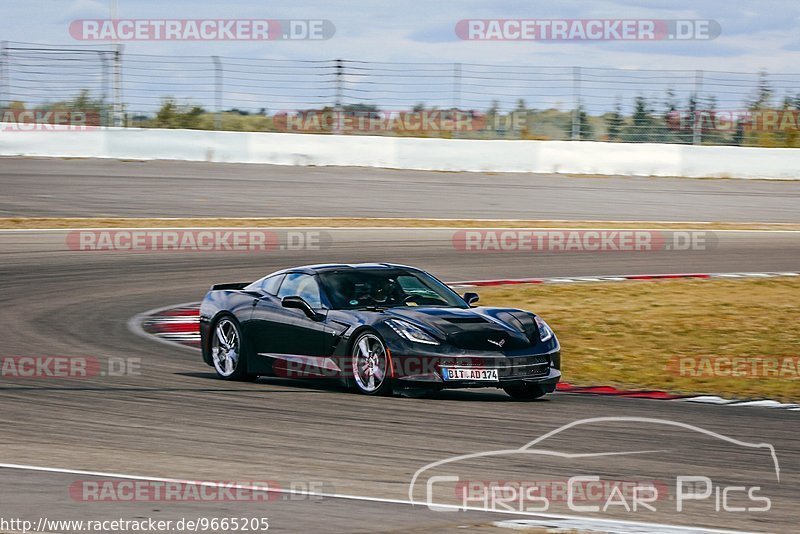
525 391
227 350
371 365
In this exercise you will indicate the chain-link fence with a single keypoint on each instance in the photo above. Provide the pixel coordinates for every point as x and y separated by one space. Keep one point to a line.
463 100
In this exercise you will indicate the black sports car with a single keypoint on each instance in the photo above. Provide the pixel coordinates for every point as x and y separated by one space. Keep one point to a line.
377 328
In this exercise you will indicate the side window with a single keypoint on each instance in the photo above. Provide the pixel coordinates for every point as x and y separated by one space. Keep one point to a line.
301 285
271 284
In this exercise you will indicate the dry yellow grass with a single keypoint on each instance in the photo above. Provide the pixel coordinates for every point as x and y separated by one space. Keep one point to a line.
626 334
352 222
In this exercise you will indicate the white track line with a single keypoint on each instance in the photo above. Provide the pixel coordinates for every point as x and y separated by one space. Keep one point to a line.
617 278
609 525
760 403
591 525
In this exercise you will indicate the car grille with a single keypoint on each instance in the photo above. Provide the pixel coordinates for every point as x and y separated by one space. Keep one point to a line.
525 366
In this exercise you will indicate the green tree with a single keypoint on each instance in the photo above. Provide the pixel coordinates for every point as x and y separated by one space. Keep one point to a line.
710 124
614 122
763 98
172 115
585 130
671 113
640 129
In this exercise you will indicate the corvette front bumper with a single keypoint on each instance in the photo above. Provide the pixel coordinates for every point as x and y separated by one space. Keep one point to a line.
540 369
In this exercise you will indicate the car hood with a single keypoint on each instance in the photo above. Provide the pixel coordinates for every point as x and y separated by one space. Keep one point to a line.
485 329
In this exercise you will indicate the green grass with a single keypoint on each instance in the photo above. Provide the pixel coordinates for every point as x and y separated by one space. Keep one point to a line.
627 334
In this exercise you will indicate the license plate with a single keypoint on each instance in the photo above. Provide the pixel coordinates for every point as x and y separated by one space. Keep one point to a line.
481 375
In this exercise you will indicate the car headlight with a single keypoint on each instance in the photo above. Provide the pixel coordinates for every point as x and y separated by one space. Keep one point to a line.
545 332
410 332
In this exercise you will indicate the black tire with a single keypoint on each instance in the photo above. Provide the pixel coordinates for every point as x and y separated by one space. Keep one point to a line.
369 370
525 392
229 357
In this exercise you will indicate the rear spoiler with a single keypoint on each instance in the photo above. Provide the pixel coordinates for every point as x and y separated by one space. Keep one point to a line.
235 285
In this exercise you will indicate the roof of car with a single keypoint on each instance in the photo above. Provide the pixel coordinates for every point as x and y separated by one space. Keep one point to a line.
324 267
328 267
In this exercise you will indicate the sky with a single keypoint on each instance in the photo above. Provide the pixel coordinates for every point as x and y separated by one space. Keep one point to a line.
755 36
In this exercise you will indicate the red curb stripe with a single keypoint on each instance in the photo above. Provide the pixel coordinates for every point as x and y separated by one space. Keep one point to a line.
612 391
173 328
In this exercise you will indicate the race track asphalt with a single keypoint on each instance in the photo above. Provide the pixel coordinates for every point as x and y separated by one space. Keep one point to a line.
174 419
73 188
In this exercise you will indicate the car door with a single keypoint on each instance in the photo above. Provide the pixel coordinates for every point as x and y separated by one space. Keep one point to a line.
265 327
291 341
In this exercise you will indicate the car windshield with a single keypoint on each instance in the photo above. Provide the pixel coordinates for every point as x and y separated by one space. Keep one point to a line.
386 288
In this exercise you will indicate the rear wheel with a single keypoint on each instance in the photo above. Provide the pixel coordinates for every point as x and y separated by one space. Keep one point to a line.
525 391
227 350
371 365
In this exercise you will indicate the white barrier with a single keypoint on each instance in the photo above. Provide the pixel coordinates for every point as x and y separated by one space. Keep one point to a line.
567 157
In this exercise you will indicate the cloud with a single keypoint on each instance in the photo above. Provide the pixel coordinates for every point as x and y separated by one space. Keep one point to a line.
423 30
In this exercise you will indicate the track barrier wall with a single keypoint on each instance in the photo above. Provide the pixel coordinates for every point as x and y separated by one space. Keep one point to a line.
566 157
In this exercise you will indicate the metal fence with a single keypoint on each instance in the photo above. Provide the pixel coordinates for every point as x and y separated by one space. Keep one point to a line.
464 100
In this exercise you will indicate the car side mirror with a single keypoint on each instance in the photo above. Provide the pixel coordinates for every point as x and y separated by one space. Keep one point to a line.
469 298
299 303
